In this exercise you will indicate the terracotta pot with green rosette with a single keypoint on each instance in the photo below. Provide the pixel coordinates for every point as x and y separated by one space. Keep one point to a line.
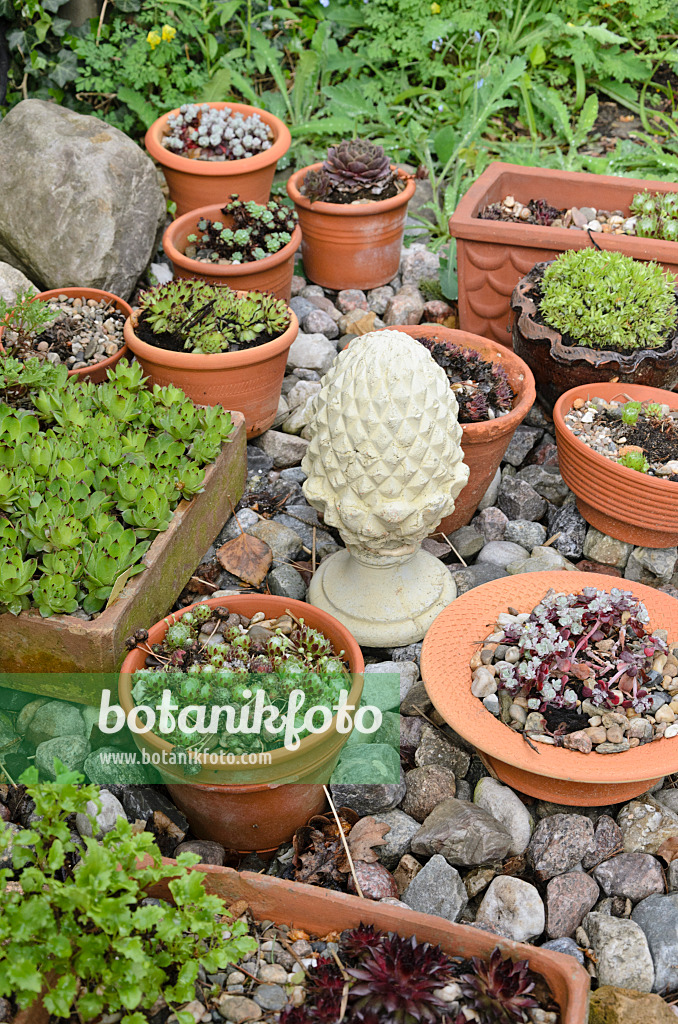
590 317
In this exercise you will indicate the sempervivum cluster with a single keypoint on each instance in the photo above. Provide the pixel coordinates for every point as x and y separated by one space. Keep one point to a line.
202 132
481 388
252 232
354 167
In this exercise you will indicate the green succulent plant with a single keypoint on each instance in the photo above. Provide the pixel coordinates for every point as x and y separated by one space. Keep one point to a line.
657 215
634 460
355 166
256 232
631 412
605 300
210 319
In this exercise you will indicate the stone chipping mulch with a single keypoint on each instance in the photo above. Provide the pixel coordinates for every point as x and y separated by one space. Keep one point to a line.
86 332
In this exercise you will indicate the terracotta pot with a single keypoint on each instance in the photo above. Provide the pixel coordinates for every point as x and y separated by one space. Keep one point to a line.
483 444
492 256
97 372
272 274
258 807
319 911
621 502
350 245
249 381
195 183
65 657
558 366
547 773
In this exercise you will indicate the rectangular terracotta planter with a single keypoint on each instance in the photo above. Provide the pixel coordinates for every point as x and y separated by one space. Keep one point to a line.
492 256
66 644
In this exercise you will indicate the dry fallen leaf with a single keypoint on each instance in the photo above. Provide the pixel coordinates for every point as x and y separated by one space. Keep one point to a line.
668 851
298 933
246 557
365 834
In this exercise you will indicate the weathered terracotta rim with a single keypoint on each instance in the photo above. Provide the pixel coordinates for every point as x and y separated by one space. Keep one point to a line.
460 629
493 352
87 293
370 209
636 392
215 361
282 140
177 229
524 305
280 758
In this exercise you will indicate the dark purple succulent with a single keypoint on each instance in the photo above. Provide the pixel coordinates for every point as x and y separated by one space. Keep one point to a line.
358 162
499 989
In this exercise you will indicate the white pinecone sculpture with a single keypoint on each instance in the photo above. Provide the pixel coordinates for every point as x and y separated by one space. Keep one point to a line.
384 463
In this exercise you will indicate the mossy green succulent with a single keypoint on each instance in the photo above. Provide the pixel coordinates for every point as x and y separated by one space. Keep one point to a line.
606 300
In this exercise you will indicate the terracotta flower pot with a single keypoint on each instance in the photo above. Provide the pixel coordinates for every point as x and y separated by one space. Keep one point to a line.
558 366
350 245
249 381
257 807
97 372
621 502
483 444
492 256
547 772
195 183
319 911
272 274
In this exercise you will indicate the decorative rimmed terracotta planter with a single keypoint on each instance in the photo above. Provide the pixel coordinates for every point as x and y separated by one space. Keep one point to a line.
558 366
547 772
492 256
351 245
483 444
320 911
254 807
97 372
63 656
621 502
272 274
195 183
249 381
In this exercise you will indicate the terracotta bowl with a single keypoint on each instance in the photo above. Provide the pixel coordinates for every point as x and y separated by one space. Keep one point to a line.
194 183
98 371
621 502
548 772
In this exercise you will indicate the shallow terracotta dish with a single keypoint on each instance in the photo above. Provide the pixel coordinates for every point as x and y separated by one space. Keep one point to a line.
273 274
97 371
549 772
483 444
621 502
350 245
194 183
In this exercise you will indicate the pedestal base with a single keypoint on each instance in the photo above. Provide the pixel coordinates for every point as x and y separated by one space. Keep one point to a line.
383 606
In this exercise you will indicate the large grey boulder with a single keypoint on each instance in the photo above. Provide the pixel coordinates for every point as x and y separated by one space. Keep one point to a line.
80 203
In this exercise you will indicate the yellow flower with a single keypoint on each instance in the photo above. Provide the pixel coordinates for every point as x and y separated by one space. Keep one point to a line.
153 39
435 8
168 33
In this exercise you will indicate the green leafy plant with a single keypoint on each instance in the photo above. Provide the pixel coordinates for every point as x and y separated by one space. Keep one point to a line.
89 477
27 318
79 929
657 215
606 300
249 232
201 317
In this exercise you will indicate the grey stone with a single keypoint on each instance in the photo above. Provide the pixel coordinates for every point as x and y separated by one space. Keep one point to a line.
467 541
567 946
490 496
284 449
518 500
320 322
622 953
569 898
601 548
270 997
437 889
102 773
668 798
507 808
55 719
521 444
525 533
427 787
410 653
111 207
632 875
383 693
368 799
379 298
351 298
241 521
651 565
301 392
406 307
238 1009
295 474
141 803
608 840
304 520
541 563
492 523
417 701
417 264
301 306
285 581
502 553
645 825
547 481
299 418
558 844
70 750
284 543
512 908
208 851
434 748
12 281
463 833
259 463
311 352
106 818
401 829
572 527
475 575
7 733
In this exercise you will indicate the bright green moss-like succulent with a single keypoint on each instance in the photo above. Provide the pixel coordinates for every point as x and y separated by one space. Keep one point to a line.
606 300
656 215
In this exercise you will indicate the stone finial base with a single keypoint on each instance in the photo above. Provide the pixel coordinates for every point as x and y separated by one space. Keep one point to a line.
383 606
